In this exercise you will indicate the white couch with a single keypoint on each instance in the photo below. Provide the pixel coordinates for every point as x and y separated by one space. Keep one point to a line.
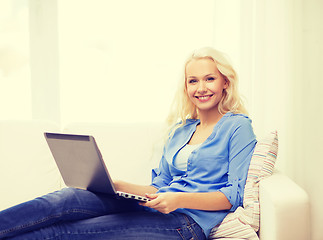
27 170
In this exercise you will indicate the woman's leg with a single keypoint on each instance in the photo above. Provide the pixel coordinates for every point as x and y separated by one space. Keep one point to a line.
143 225
68 204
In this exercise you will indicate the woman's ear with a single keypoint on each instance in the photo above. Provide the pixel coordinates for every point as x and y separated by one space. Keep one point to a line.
226 83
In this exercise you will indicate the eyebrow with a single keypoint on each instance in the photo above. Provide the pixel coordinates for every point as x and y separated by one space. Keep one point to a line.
211 74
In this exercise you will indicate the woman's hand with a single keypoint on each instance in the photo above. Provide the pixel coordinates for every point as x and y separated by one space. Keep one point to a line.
170 201
163 202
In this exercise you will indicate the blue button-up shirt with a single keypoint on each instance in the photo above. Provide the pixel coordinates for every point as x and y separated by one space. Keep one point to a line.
220 164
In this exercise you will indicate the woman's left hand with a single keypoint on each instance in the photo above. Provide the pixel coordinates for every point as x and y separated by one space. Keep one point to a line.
163 202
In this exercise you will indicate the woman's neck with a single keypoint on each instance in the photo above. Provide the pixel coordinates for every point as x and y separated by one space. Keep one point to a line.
209 119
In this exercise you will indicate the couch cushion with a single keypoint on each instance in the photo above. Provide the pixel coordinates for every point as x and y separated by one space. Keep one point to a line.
27 169
244 222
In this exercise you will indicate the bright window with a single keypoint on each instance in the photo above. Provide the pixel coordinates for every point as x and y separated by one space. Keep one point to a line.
15 90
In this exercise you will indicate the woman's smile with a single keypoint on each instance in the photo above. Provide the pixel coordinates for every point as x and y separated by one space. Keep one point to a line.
204 98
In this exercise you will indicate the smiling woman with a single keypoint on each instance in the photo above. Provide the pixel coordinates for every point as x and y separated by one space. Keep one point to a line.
183 203
209 82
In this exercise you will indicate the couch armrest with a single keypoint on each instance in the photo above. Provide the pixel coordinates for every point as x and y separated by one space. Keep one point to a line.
284 209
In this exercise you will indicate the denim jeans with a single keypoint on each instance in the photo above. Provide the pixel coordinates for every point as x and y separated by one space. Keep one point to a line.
78 214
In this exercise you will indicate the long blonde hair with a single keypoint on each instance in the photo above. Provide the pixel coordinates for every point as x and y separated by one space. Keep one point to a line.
183 108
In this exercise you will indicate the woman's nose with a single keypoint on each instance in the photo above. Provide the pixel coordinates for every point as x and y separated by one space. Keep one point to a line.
202 86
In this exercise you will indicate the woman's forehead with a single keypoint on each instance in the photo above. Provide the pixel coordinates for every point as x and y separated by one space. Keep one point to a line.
200 67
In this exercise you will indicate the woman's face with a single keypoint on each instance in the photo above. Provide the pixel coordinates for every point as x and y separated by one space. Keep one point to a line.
204 84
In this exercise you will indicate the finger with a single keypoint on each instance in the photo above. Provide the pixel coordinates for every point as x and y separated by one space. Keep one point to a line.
152 203
151 196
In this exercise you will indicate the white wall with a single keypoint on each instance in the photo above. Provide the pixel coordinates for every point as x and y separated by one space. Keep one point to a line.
44 60
121 60
15 90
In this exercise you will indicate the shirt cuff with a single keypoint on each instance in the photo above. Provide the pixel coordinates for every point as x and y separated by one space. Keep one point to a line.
232 193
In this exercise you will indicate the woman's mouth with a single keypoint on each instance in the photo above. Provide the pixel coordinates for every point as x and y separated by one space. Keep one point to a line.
204 98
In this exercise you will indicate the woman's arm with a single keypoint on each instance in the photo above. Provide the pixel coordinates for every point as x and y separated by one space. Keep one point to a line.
137 189
170 201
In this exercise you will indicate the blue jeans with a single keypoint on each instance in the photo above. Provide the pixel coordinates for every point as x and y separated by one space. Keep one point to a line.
78 214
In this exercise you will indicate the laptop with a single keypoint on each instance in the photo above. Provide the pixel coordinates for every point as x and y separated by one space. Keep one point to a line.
81 164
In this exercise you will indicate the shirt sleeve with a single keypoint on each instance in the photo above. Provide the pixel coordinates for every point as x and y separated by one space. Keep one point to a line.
161 176
241 147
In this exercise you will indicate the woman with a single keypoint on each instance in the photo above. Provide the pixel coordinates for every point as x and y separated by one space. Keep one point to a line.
200 178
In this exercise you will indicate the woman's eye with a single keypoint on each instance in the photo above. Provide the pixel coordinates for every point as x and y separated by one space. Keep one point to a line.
192 81
210 79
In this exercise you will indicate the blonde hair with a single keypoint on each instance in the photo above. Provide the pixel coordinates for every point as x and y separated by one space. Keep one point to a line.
183 108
